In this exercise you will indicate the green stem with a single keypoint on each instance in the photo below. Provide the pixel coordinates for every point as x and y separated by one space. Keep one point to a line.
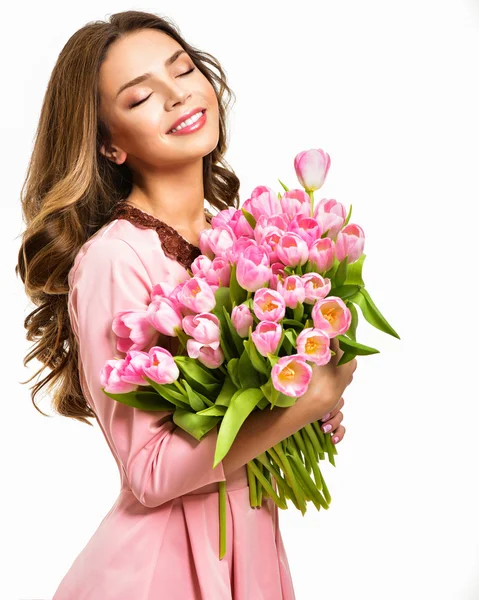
280 482
313 459
181 388
304 478
265 483
285 484
300 443
222 516
290 477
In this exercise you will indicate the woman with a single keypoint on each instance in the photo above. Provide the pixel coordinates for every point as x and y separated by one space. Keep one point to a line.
114 204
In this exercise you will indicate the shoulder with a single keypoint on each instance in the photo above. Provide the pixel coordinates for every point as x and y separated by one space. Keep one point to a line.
118 243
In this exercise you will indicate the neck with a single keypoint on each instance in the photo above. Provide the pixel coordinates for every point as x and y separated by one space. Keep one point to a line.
175 196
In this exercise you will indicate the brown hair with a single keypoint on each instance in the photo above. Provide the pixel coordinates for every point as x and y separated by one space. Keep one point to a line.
71 188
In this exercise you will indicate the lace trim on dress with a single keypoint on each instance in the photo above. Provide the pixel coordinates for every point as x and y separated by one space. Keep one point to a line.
173 243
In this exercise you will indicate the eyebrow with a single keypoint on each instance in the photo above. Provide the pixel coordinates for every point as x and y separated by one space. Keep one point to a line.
168 62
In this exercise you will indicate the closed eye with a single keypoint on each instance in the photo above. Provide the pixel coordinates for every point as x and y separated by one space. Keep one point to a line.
144 99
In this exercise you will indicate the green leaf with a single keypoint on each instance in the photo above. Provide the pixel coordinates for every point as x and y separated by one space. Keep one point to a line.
172 396
344 291
371 312
341 273
213 411
227 391
291 335
270 392
298 312
242 404
355 272
142 400
249 377
197 401
257 360
273 359
237 293
351 332
222 296
293 323
286 189
197 426
232 368
236 339
348 345
249 217
198 377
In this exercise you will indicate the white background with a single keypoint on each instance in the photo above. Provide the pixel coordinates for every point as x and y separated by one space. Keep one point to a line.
390 91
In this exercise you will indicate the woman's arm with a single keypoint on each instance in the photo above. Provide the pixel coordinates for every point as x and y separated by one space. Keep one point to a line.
160 460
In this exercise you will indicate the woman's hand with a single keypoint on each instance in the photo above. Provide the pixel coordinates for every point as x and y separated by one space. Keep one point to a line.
334 419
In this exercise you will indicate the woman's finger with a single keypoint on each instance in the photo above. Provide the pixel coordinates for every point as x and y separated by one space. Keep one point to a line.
338 434
333 423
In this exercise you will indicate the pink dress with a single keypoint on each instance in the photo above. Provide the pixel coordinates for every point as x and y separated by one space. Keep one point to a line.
160 539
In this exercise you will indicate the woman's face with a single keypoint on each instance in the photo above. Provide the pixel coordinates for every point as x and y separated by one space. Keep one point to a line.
140 133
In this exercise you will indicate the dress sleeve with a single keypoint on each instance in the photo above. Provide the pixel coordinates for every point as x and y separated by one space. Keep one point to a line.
159 459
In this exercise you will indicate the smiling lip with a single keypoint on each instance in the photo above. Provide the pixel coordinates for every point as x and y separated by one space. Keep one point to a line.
186 116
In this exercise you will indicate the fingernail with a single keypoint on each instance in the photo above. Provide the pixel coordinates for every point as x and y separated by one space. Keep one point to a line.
335 439
326 417
327 428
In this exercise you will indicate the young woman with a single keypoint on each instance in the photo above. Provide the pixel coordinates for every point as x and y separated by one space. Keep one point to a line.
129 146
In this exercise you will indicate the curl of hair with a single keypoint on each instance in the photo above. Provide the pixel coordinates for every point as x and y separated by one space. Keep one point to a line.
70 189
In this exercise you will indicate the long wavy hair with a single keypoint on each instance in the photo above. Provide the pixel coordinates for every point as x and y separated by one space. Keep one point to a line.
71 188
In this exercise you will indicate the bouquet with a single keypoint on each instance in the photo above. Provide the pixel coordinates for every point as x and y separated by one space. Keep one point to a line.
276 280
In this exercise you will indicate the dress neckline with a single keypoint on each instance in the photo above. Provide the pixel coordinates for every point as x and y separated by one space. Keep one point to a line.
173 243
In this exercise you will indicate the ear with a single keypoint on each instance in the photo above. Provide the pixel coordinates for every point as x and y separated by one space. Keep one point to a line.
116 155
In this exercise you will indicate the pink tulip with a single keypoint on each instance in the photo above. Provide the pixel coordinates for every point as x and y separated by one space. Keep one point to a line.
160 290
110 377
263 201
268 305
242 319
266 337
208 356
238 248
321 254
162 367
252 269
331 315
295 202
240 225
132 371
291 375
197 295
315 287
331 215
269 243
313 345
350 241
223 217
133 329
292 250
273 223
201 265
220 272
311 168
307 228
204 327
205 243
165 316
221 239
292 290
277 275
